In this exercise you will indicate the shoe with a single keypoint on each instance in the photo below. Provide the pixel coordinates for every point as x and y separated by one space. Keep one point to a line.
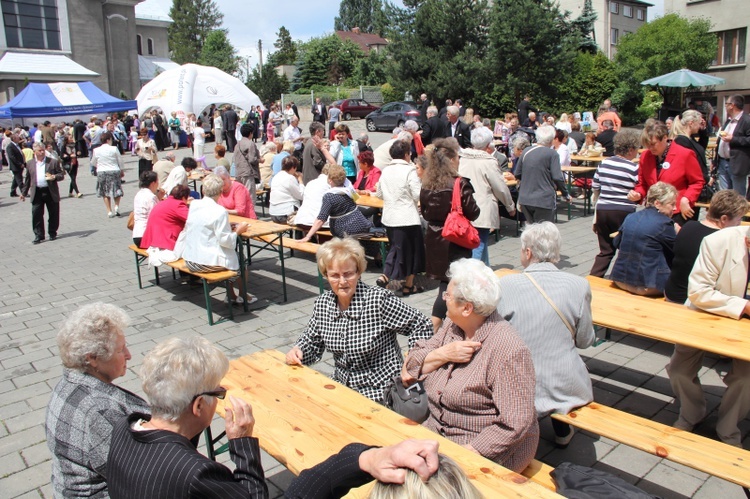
37 240
408 291
52 237
79 195
382 281
70 194
250 299
681 424
13 195
117 211
110 214
562 442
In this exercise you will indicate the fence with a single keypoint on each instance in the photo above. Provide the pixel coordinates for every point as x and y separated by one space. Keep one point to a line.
373 95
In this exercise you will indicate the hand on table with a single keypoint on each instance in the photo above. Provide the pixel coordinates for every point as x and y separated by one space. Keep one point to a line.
294 356
459 352
241 228
238 419
389 464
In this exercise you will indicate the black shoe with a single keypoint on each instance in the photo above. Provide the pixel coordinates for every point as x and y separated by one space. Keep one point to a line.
37 240
52 237
13 195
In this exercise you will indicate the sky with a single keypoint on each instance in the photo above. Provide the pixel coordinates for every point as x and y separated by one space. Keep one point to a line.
250 21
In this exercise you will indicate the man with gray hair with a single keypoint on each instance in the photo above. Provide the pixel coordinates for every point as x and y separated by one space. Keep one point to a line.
164 167
364 143
457 128
539 173
153 456
433 127
313 160
480 166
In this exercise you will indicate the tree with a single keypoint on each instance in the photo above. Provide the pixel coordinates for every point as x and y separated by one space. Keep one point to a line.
437 47
218 52
192 22
267 84
286 49
532 46
370 70
327 61
593 79
661 46
367 15
584 26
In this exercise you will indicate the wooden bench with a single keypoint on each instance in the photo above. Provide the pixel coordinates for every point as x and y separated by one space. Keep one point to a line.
382 242
292 245
302 417
704 454
207 278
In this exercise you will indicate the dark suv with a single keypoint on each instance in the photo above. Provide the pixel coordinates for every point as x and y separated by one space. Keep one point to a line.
392 115
354 108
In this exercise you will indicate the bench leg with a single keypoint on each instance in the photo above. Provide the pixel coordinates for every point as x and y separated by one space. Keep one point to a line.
138 270
207 295
283 267
243 274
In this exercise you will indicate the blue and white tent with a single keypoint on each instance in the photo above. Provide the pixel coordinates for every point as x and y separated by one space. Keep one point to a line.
63 99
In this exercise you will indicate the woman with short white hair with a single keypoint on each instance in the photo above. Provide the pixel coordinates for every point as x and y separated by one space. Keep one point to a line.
477 352
551 310
208 242
540 176
85 403
482 168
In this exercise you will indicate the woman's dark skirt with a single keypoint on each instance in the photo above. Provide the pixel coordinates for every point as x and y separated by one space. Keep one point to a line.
406 256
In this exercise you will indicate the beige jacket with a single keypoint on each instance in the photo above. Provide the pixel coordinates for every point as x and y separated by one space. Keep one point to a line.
489 186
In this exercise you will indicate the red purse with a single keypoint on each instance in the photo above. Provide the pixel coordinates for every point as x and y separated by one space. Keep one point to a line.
458 228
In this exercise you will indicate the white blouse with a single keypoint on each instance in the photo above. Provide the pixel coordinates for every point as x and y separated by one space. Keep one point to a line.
143 203
399 188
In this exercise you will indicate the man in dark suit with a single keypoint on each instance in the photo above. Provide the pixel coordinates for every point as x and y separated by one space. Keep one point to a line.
443 114
433 127
423 107
16 163
734 147
294 108
79 128
457 129
155 455
606 137
461 108
524 107
313 160
230 119
40 185
319 111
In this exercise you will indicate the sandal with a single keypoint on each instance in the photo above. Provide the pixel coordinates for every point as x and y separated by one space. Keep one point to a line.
410 290
382 281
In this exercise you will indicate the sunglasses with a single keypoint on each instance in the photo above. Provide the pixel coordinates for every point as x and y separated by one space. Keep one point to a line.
219 394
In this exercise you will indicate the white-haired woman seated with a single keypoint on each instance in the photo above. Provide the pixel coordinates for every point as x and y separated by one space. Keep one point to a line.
357 323
562 380
208 241
155 456
85 404
478 373
480 166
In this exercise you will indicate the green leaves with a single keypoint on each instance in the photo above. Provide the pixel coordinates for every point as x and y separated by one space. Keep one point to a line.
193 21
217 51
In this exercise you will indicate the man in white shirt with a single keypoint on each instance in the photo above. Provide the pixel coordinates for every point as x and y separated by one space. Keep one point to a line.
179 174
293 134
40 185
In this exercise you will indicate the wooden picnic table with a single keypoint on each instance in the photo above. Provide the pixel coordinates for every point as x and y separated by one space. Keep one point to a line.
370 201
655 318
594 159
302 417
253 238
572 171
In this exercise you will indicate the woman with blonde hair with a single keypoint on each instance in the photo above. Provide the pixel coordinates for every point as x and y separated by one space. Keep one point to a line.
563 123
448 482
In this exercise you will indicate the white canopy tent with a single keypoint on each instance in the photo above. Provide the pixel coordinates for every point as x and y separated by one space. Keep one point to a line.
191 88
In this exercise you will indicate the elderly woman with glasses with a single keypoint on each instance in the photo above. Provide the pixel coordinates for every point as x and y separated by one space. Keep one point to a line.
86 404
562 380
478 373
155 456
357 323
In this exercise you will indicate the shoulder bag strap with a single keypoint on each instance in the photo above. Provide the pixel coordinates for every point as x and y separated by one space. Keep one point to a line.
456 202
552 304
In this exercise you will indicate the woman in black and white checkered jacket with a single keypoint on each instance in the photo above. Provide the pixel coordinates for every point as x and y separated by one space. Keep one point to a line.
357 323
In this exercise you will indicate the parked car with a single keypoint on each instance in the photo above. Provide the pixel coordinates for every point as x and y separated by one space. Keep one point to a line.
392 115
354 108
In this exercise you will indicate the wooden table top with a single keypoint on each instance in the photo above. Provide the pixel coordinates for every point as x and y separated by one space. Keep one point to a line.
655 318
302 417
577 157
579 169
371 201
258 227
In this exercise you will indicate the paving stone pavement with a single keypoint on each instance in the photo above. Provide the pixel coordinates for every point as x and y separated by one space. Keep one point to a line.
90 261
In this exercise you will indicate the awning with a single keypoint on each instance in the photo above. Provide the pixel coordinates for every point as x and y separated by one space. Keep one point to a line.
21 65
63 99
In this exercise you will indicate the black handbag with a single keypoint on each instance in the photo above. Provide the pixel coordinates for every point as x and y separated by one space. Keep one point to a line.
707 192
581 482
410 402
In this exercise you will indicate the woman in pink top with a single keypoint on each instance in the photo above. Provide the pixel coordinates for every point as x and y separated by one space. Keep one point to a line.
235 197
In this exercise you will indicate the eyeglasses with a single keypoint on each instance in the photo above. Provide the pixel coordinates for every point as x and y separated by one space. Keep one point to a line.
346 276
220 393
447 296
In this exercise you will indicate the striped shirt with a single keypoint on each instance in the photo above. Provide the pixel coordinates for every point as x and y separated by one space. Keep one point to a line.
614 178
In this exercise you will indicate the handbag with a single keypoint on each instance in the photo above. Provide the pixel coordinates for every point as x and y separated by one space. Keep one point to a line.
549 300
707 192
131 221
582 482
457 228
410 401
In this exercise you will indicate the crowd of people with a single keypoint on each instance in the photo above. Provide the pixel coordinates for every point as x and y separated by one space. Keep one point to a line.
497 354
